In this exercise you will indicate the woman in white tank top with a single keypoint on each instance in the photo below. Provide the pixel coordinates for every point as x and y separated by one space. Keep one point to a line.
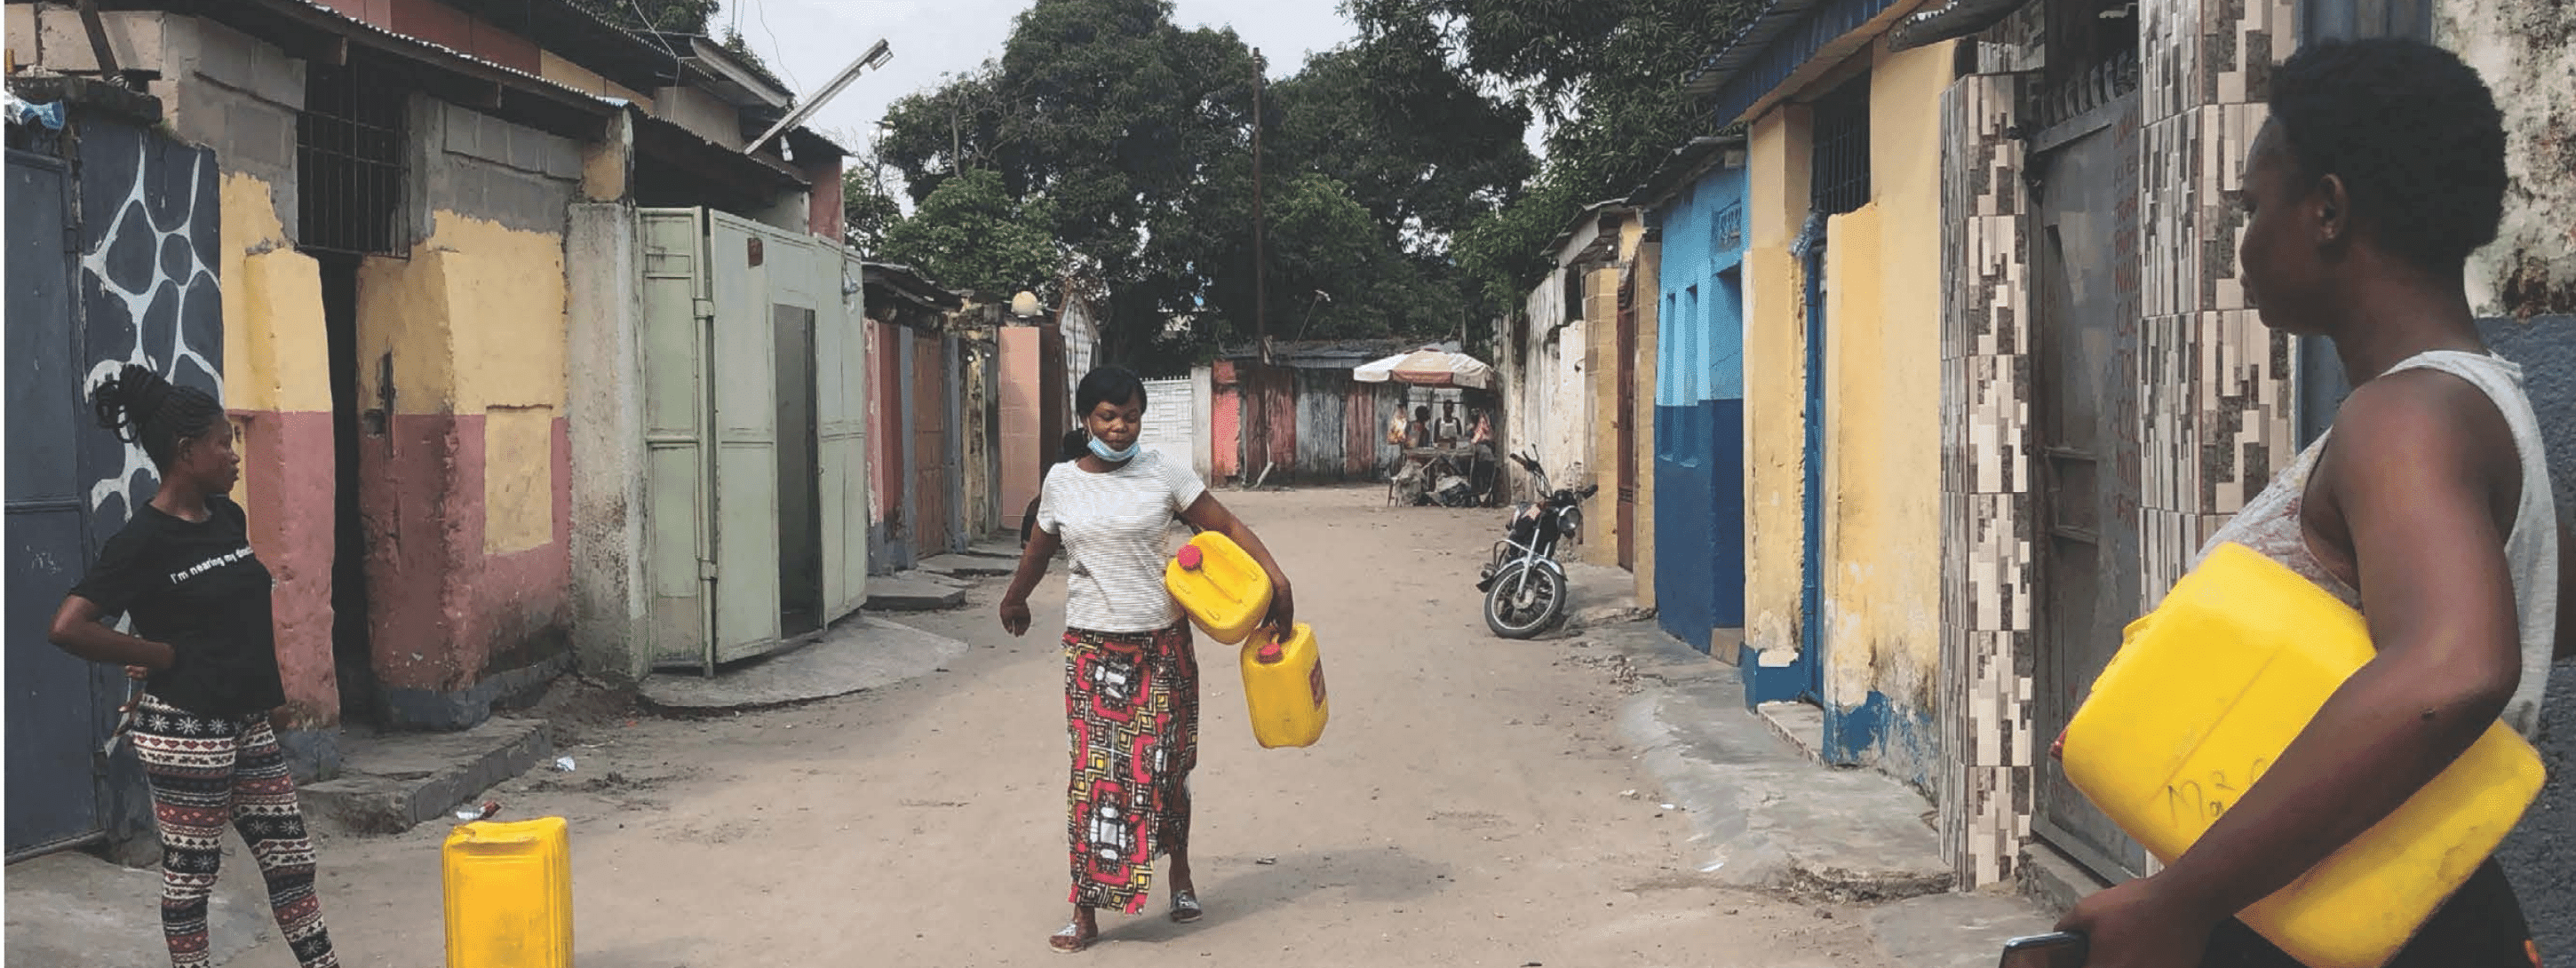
2429 506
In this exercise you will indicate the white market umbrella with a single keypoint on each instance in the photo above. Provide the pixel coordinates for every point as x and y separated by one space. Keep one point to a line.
1429 368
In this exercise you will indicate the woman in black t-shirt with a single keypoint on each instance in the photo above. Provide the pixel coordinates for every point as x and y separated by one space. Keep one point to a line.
203 641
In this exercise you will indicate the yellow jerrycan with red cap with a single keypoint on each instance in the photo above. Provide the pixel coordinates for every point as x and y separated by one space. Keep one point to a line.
1216 582
2205 693
1283 683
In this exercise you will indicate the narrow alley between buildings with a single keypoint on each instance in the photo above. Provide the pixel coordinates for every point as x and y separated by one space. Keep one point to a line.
1472 803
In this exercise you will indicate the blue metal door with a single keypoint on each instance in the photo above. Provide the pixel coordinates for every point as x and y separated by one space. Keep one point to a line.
55 714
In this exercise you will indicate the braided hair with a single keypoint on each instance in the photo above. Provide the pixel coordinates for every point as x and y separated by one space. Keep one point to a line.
142 407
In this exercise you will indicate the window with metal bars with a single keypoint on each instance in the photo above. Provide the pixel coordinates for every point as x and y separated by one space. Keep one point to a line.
352 145
1840 173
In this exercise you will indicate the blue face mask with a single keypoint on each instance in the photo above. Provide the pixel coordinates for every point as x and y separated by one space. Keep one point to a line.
1102 451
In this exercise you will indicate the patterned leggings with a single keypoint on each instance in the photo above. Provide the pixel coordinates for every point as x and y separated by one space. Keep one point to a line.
204 771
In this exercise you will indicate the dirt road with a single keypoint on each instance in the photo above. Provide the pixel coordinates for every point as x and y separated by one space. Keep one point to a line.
1465 808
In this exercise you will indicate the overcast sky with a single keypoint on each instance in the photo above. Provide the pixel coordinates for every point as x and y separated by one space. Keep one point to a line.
808 41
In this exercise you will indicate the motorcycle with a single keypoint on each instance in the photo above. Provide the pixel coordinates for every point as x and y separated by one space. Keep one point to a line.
1526 591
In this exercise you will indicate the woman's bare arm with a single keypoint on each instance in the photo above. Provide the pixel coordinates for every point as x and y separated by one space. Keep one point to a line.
1209 514
2440 606
1042 546
78 630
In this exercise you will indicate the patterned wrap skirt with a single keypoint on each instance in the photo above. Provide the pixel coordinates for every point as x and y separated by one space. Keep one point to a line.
1131 706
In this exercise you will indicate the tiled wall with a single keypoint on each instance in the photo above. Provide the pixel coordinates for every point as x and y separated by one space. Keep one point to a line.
2216 394
1986 513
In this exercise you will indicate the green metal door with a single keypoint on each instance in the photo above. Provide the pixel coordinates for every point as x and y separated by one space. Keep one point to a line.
841 400
679 551
746 438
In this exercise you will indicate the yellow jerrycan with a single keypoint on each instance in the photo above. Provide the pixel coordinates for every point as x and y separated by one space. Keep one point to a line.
509 894
1224 591
2206 692
1283 683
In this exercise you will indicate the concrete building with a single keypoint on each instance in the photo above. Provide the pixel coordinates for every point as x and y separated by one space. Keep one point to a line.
2097 396
437 300
1693 515
1842 394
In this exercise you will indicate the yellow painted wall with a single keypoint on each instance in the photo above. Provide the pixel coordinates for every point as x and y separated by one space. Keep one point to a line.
275 351
1883 439
276 357
475 322
1882 395
1774 388
1601 387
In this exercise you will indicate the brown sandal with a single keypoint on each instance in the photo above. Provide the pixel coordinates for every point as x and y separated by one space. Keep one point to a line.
1071 940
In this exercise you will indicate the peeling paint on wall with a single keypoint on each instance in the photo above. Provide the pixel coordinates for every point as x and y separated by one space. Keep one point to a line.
2522 49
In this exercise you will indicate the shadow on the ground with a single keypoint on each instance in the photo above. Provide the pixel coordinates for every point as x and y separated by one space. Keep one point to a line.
1241 888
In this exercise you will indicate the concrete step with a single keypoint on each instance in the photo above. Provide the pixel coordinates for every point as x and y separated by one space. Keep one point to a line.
1004 548
861 652
390 783
970 566
1766 815
899 594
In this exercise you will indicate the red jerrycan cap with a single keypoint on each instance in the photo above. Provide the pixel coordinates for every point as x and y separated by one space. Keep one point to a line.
1190 557
1271 654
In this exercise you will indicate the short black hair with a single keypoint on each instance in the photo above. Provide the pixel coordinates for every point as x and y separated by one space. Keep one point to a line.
142 407
1072 445
1112 385
2412 131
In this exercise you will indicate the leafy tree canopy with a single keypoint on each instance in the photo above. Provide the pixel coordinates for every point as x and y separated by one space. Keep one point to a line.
970 234
1607 76
1136 134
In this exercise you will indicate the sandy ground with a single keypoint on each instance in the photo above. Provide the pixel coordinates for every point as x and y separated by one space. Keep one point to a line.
1465 807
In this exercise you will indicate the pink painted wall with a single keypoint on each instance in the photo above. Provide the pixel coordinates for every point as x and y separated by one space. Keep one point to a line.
1023 447
288 476
443 611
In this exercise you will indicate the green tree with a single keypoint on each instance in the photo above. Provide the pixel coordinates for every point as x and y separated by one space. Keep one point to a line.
1414 139
1138 135
1606 75
667 16
969 234
868 214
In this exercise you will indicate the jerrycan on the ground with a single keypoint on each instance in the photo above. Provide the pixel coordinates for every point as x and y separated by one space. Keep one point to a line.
2204 695
1224 591
1283 683
509 894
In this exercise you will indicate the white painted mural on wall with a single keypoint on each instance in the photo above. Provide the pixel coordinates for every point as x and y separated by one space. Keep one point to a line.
148 284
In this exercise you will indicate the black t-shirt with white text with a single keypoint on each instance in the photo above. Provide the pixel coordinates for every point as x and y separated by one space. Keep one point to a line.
196 586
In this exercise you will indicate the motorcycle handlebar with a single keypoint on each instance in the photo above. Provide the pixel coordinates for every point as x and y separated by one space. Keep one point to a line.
1588 490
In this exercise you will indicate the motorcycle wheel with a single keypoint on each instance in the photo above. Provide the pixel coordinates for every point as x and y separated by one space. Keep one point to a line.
1524 601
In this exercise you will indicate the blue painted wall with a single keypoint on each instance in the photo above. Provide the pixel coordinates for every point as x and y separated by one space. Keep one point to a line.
1699 410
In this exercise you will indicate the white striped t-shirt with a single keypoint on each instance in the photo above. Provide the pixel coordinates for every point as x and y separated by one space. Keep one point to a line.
1113 527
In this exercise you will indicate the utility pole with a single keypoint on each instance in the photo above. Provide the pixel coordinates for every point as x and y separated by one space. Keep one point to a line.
1260 260
1256 426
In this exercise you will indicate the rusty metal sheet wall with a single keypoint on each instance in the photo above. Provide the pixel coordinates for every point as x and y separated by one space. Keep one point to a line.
1226 444
1274 391
1321 430
1359 449
928 411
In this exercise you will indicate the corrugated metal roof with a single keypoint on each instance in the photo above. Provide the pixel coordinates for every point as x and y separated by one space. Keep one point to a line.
1782 39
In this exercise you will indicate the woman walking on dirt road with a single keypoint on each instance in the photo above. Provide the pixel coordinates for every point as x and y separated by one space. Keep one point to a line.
2428 507
1130 680
206 648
